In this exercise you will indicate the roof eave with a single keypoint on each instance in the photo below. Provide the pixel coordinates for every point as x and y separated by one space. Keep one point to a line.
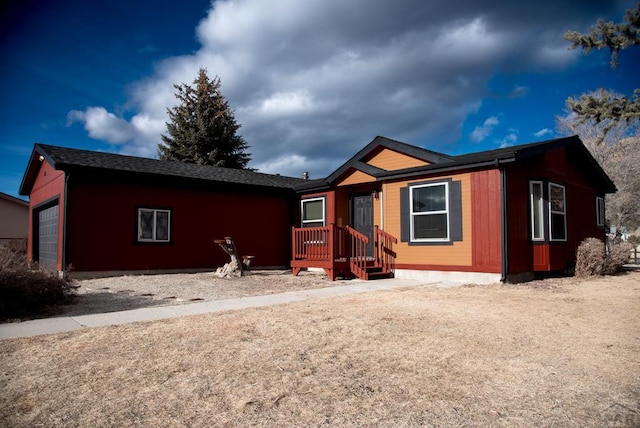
433 169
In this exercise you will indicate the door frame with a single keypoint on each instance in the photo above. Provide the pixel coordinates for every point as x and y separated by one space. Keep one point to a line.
352 197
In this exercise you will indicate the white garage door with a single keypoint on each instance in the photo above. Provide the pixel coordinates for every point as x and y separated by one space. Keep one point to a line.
48 238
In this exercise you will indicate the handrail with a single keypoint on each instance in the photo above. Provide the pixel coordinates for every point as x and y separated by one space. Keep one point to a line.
358 257
384 256
312 243
332 244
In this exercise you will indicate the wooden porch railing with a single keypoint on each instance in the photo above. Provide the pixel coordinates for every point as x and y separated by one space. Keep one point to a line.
313 243
358 255
329 246
383 253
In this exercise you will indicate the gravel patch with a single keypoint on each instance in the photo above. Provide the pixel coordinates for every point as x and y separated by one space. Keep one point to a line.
130 292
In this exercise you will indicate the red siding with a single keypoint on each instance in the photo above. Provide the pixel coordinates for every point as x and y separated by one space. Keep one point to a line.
558 167
519 248
48 184
486 218
102 231
330 206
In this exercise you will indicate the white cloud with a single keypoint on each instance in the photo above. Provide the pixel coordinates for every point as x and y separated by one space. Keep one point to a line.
141 132
312 82
102 125
542 132
509 140
482 132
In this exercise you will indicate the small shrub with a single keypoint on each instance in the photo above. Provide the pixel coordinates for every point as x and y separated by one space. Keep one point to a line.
27 293
617 257
12 259
590 258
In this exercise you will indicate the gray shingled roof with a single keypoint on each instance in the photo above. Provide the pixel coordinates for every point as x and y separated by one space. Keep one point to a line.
63 158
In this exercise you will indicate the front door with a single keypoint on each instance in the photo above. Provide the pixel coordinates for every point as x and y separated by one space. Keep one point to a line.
362 218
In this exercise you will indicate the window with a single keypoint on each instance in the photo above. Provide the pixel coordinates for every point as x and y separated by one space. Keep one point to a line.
312 212
557 213
537 210
154 225
429 212
600 211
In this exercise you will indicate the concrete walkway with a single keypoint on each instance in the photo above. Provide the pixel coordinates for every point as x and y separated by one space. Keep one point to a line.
70 323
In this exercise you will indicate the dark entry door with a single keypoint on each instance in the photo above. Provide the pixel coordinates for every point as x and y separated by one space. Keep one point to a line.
362 218
48 238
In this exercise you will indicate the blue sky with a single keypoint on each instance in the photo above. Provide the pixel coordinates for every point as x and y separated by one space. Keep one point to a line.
310 82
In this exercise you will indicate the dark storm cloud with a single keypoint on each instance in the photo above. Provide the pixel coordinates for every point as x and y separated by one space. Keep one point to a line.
312 82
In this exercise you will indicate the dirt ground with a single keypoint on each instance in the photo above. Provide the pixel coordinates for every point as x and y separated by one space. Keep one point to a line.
131 292
561 353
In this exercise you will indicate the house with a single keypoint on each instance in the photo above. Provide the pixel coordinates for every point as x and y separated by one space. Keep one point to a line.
102 214
391 210
506 214
14 213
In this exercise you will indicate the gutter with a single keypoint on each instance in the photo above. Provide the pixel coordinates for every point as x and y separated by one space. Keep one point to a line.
504 224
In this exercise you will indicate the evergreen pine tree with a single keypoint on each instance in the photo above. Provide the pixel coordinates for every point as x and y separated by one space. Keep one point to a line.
202 128
615 37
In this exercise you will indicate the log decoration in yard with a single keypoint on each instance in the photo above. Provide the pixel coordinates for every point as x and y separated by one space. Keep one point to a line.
234 268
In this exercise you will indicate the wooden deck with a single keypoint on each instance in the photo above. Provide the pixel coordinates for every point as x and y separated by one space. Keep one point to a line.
341 252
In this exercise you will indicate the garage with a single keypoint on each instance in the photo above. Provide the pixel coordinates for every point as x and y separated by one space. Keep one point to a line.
48 237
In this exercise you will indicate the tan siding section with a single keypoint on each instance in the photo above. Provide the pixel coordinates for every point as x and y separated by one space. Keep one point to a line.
458 254
356 177
390 160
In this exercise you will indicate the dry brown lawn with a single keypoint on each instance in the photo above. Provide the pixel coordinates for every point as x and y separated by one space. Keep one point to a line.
562 353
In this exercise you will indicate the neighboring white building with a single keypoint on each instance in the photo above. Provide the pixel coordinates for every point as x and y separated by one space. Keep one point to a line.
14 220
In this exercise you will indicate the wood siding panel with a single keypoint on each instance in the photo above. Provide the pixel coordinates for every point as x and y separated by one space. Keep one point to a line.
487 220
519 248
103 215
456 254
356 177
390 160
541 261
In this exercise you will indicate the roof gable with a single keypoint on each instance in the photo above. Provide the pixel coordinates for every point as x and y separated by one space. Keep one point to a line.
437 163
67 159
390 160
408 152
355 177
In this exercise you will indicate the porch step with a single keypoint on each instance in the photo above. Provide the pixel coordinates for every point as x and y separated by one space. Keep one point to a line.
377 273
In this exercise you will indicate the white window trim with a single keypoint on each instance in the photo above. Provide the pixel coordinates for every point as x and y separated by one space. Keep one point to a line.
600 211
155 214
563 213
303 201
540 213
445 211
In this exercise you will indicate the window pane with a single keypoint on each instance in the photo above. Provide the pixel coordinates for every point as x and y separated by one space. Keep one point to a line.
556 198
600 211
312 210
431 226
557 226
430 198
162 226
146 225
536 210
